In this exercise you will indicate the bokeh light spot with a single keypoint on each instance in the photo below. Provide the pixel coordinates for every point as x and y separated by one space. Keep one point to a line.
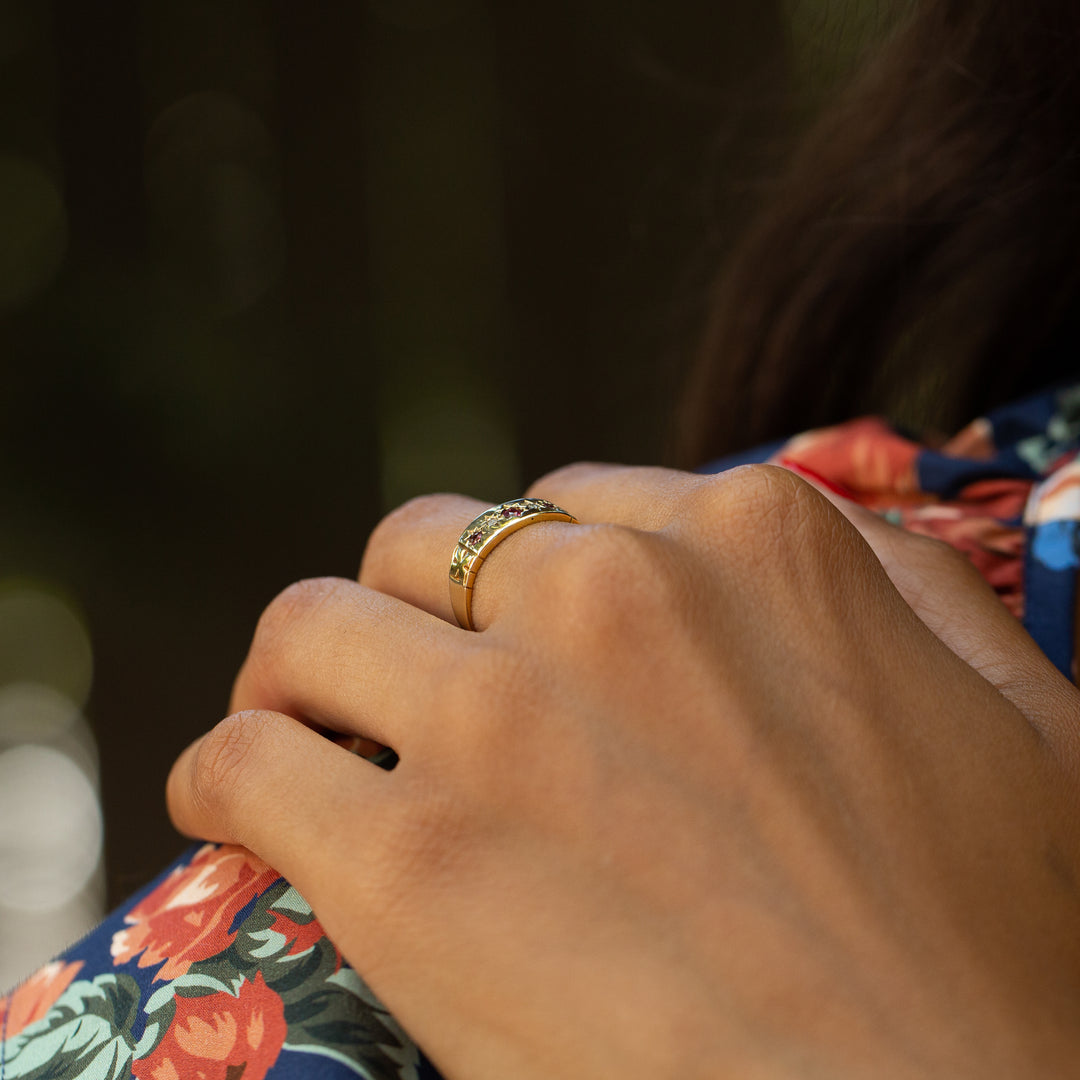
32 713
50 829
43 639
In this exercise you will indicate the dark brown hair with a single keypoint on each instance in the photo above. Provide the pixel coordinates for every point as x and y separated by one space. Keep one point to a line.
922 252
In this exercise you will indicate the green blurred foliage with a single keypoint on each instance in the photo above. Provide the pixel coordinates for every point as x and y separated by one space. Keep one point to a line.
43 640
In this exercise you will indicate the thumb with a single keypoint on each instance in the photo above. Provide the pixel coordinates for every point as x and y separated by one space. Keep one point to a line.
943 587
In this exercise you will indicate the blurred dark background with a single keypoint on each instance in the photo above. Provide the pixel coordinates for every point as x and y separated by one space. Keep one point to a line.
267 269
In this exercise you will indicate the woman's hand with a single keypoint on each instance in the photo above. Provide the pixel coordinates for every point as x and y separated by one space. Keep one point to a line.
708 795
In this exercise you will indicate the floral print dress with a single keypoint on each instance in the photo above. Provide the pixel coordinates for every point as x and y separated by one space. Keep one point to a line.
219 970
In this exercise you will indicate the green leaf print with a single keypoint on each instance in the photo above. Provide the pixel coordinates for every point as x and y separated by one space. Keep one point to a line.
86 1034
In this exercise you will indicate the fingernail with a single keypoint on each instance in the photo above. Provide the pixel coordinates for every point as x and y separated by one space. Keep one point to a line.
816 477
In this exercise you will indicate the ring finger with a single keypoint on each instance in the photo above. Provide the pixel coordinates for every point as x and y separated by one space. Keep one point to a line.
409 554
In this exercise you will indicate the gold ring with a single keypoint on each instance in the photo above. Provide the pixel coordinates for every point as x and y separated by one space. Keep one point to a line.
481 535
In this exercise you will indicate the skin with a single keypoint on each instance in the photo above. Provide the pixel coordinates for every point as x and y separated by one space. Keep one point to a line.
734 780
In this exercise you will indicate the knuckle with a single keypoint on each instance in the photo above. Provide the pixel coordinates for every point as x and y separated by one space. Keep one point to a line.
774 539
422 513
759 511
223 761
417 511
595 559
291 607
564 478
603 580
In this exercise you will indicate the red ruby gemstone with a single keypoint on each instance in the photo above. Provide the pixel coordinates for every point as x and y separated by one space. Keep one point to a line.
475 538
512 511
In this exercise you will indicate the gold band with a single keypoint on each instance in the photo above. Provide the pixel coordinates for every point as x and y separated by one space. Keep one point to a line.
481 535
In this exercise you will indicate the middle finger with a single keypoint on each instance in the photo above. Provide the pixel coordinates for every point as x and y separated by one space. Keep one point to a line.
332 653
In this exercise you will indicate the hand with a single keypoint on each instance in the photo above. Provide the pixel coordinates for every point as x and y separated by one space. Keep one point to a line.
706 796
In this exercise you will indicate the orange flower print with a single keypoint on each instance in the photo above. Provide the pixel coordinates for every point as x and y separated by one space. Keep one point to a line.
187 918
31 1001
864 456
219 1037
